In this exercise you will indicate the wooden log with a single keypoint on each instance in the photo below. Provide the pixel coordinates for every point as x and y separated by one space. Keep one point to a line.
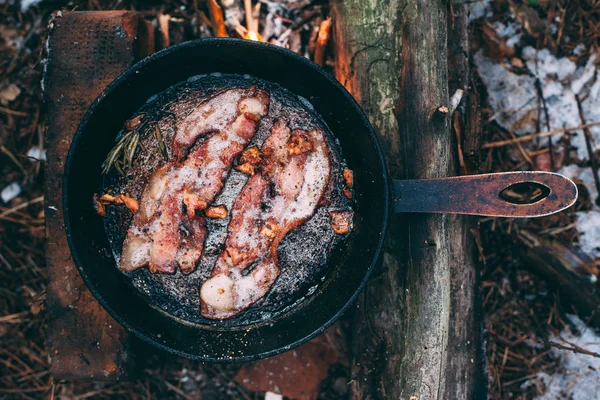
87 50
415 331
467 370
565 268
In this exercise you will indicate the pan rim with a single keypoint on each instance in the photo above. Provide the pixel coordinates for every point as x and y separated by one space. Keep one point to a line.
292 57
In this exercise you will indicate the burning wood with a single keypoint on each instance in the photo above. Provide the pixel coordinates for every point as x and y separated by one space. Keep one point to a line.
250 32
216 18
322 40
253 35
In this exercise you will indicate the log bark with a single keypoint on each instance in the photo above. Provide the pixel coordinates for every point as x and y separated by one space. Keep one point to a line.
565 268
467 369
415 331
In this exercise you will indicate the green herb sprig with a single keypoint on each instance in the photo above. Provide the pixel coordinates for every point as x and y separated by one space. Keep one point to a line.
122 155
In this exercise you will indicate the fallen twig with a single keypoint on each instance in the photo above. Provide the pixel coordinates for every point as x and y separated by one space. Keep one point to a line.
13 112
573 348
177 390
12 157
13 318
522 150
455 100
22 205
526 138
538 86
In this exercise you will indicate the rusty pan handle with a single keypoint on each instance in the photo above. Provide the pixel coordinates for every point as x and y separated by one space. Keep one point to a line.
485 194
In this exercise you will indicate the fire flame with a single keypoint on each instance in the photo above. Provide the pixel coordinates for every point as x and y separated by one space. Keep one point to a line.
254 36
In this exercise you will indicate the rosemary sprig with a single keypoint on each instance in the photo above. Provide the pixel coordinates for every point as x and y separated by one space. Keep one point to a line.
123 152
121 156
131 148
161 142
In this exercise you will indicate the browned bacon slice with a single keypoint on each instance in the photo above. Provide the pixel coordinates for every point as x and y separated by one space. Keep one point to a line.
216 114
295 173
168 229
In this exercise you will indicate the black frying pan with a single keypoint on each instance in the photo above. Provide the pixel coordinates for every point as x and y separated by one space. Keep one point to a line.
348 269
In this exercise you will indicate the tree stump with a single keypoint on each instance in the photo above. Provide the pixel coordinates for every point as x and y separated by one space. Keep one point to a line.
416 333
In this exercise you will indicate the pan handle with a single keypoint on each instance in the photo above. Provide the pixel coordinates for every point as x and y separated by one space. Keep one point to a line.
486 195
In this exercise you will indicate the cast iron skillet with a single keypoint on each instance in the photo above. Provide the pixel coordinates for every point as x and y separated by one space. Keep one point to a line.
349 268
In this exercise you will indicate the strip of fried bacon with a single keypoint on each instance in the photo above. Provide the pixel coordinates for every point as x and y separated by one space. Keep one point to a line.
216 114
293 176
169 228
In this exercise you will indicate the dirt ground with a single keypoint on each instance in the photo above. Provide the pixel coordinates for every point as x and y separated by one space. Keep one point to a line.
526 312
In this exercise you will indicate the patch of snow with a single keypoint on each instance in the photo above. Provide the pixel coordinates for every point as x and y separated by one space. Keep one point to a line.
588 226
511 96
586 76
512 32
10 192
579 377
545 65
25 4
36 154
586 176
588 222
45 60
579 49
514 99
480 9
273 396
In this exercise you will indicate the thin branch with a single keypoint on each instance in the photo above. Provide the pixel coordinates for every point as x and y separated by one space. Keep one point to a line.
527 138
573 348
23 205
13 112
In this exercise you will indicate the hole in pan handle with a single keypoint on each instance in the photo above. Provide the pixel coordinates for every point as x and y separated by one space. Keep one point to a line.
505 194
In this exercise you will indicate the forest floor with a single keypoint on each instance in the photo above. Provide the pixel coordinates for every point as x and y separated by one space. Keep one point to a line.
535 69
